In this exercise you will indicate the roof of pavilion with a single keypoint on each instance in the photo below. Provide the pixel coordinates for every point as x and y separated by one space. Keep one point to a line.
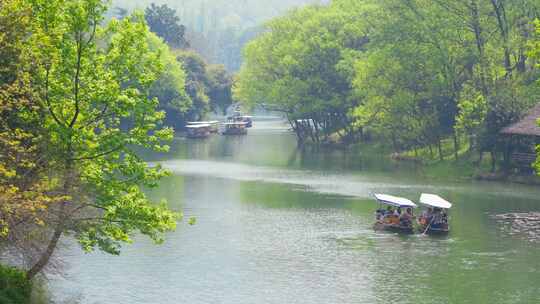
528 125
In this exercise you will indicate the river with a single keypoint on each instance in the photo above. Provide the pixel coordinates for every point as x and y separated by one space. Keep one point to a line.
278 224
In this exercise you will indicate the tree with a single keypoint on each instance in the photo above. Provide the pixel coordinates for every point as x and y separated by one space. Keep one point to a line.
220 88
163 21
169 88
93 83
302 67
24 189
534 52
196 84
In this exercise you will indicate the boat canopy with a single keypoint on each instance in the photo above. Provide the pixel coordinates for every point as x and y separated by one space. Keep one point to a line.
198 126
434 201
236 123
395 201
202 122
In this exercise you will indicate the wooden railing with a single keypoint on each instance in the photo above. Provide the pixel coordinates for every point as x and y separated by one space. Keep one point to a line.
524 160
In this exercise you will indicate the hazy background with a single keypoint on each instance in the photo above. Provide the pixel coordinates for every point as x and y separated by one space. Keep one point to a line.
218 29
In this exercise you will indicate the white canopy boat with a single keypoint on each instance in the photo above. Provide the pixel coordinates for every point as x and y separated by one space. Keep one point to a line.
198 131
396 220
434 220
213 124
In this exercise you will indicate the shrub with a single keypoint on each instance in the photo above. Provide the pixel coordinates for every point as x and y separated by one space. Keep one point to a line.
14 286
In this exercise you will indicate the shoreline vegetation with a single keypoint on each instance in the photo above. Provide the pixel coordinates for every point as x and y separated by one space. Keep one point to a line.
433 80
468 165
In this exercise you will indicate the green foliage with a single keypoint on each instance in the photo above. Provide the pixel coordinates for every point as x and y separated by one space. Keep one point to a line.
302 66
24 189
169 88
534 52
219 87
196 83
75 105
98 110
411 73
14 286
163 21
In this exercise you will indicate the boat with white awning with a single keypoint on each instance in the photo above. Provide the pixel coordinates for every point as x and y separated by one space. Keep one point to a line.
213 124
434 219
397 216
198 131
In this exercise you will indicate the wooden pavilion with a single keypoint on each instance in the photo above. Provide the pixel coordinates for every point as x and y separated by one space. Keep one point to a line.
523 137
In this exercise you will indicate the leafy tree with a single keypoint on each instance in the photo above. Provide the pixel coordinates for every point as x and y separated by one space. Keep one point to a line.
534 52
163 21
169 88
302 66
220 88
93 82
25 190
197 83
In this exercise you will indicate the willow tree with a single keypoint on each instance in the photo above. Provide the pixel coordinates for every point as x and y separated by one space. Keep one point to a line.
302 66
93 82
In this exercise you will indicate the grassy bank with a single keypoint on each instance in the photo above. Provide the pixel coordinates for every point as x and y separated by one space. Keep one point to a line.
468 164
14 287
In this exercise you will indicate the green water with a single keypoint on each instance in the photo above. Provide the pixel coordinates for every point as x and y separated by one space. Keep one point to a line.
278 224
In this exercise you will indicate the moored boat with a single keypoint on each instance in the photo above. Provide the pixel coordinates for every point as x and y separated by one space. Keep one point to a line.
213 125
198 131
434 220
234 128
398 219
239 117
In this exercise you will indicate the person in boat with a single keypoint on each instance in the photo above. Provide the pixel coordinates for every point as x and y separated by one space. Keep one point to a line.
437 217
426 216
406 218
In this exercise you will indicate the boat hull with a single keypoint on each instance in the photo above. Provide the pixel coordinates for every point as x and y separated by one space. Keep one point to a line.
393 228
198 136
235 132
435 231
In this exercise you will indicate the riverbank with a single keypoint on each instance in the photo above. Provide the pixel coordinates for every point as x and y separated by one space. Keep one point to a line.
460 165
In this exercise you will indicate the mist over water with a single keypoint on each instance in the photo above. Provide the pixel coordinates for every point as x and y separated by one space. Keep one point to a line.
278 224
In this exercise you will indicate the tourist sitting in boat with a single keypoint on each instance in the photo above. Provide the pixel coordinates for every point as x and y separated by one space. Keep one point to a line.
406 218
435 218
425 218
391 218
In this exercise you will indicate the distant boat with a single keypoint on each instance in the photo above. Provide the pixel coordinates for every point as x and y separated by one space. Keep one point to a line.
239 117
386 219
214 124
435 219
198 130
234 128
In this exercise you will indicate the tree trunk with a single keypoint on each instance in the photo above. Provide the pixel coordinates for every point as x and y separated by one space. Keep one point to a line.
439 145
62 217
46 256
493 161
456 146
477 29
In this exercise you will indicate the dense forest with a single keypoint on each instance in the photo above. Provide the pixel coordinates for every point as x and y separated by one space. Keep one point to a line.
415 74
